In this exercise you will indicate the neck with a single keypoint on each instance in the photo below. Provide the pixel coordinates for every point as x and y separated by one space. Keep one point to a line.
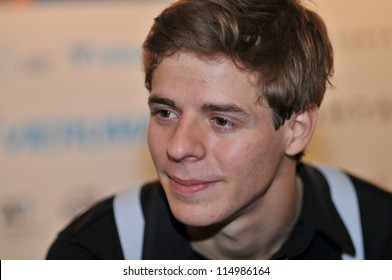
258 231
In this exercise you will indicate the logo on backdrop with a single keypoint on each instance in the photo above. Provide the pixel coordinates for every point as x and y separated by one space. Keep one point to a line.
46 135
90 54
377 110
364 39
80 55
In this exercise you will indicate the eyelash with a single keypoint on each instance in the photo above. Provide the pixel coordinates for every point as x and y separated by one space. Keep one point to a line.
228 125
161 112
222 123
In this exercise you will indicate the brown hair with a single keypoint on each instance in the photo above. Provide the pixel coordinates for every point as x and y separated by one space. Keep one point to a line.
286 44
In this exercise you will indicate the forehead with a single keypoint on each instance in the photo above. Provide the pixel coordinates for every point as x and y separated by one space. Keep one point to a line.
189 80
218 70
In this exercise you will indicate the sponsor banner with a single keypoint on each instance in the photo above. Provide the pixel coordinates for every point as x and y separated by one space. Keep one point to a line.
73 113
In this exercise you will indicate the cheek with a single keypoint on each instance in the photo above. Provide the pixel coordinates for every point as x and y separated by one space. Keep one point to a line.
155 142
239 160
254 161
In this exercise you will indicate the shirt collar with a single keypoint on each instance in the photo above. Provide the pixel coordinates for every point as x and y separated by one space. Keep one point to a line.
318 215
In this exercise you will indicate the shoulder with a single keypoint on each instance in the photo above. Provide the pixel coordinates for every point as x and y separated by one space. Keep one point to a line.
376 215
370 193
375 208
375 202
92 235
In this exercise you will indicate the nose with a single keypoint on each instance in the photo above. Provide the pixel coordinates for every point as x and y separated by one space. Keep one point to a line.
188 142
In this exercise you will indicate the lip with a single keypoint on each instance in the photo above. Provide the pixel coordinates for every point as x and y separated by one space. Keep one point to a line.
189 187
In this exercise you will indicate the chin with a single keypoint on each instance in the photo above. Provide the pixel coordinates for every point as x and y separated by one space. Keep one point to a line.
193 216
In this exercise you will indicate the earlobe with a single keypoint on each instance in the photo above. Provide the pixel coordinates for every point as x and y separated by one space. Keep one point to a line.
303 125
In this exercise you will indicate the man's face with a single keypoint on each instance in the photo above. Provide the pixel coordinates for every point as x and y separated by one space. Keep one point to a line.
214 148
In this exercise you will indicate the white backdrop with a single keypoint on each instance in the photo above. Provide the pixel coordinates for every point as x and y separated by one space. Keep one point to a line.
73 108
355 129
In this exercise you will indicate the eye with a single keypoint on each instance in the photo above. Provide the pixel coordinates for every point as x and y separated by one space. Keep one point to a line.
163 114
223 122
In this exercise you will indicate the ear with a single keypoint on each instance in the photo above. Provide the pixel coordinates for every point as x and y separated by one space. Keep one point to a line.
302 126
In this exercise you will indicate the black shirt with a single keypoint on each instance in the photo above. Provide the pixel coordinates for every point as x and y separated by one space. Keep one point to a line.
318 234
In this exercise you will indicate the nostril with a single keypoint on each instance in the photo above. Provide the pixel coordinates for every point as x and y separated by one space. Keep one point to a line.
187 142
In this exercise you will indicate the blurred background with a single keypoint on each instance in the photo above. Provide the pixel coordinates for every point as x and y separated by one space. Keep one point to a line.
73 110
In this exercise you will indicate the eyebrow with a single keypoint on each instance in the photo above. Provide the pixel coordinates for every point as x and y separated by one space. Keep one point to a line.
161 100
228 108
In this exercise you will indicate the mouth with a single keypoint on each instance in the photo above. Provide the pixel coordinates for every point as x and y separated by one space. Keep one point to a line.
189 187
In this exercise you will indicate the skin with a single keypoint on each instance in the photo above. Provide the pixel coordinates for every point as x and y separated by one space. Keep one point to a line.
227 173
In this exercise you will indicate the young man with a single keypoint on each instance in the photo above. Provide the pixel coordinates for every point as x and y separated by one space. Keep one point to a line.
235 89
